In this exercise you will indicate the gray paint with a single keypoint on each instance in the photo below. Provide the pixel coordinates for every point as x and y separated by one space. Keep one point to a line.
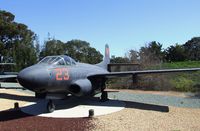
43 78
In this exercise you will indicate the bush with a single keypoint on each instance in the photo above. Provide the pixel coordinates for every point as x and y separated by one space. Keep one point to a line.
182 83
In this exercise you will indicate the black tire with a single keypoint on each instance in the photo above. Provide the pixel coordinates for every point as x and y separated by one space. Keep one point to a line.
50 106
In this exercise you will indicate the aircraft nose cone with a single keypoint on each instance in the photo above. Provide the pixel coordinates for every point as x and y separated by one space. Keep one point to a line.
33 78
25 77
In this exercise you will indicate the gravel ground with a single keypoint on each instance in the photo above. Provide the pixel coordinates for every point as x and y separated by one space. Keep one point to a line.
137 116
159 99
147 111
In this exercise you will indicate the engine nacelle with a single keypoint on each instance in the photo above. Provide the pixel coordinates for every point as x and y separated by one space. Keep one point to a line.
81 87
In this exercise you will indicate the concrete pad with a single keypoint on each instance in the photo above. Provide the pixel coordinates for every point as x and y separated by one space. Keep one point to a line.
74 107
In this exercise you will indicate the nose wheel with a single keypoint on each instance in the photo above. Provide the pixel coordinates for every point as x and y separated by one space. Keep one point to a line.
50 106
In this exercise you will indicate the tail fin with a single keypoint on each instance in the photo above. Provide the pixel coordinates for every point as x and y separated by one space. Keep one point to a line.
106 61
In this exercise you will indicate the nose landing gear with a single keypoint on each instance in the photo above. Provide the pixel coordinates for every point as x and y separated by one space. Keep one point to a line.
50 106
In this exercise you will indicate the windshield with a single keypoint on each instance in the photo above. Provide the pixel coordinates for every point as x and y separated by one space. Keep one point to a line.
57 60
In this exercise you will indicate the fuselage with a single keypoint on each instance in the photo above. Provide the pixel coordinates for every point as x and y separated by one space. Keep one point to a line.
50 78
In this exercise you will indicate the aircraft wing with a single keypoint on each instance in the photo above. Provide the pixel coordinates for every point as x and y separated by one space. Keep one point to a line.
8 77
125 73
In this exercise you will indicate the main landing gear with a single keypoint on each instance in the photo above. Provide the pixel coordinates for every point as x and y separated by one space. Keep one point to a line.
50 106
104 96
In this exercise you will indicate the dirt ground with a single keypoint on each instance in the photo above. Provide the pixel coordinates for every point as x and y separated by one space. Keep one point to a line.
9 96
136 116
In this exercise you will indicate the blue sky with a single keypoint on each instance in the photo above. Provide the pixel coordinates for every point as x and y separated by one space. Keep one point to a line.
123 24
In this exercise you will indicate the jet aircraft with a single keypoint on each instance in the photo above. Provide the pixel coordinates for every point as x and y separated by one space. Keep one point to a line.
55 77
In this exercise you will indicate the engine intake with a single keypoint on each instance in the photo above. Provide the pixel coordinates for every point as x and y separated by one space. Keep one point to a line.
81 87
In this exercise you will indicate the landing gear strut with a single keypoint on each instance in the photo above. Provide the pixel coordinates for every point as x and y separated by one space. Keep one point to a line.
104 96
50 106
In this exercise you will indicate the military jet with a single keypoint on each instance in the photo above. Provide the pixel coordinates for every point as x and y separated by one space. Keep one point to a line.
56 77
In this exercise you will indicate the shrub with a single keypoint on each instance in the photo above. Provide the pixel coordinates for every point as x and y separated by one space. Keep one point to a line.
182 83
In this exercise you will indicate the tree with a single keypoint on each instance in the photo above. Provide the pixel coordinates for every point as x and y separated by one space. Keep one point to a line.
16 41
156 49
81 51
133 56
151 54
52 47
37 46
119 59
77 49
192 48
175 53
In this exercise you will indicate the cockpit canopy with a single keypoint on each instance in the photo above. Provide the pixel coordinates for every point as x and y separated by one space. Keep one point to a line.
58 60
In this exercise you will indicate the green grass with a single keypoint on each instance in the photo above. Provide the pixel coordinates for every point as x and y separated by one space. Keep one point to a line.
184 81
184 64
177 65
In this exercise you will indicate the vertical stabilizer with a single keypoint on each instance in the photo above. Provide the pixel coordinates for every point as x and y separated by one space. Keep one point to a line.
106 61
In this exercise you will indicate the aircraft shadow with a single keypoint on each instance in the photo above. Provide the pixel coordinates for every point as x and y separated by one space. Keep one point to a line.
39 107
13 114
8 115
144 106
94 101
129 104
